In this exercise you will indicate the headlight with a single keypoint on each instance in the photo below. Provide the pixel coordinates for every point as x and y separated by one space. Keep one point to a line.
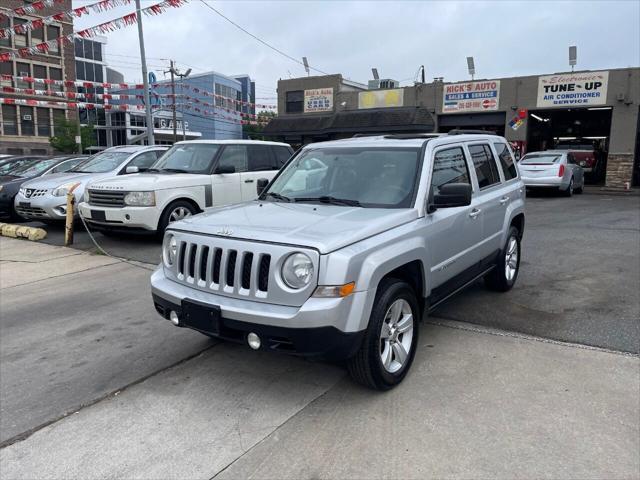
140 199
297 270
62 190
170 250
583 163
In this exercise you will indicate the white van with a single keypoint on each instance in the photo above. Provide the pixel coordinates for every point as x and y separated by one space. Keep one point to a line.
190 177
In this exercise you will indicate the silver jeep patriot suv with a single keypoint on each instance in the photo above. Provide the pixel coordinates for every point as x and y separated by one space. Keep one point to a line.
346 247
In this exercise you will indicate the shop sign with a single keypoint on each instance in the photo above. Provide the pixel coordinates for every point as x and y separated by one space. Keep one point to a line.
318 100
381 98
471 97
573 89
167 123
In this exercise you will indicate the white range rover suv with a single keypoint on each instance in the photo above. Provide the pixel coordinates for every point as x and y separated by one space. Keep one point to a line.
187 179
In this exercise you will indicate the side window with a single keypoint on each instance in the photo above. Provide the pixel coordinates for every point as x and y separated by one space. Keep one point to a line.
485 165
159 153
449 166
66 166
506 160
261 158
144 160
571 159
282 155
235 156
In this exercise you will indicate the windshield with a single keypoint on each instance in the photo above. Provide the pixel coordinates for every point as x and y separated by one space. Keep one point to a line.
372 177
35 168
102 162
541 158
15 164
188 158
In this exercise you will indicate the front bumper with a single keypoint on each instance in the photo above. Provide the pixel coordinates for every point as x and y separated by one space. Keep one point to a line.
318 328
46 207
125 218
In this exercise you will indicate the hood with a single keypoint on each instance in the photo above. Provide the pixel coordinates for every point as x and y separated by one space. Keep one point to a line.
11 185
6 179
324 227
151 181
54 180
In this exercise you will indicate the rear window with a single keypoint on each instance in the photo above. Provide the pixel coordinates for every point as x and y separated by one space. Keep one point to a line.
540 159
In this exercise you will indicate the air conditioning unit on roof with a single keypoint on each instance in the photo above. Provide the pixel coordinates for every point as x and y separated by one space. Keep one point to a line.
383 83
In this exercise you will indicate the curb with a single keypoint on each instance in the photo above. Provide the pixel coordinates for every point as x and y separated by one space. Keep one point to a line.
21 231
634 192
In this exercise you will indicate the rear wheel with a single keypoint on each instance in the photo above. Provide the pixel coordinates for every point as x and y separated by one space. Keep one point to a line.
569 191
389 344
177 210
503 277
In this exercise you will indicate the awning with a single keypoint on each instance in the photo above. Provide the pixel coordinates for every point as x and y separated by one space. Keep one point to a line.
380 120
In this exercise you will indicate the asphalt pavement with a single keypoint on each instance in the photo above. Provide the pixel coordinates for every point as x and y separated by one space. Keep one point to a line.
579 279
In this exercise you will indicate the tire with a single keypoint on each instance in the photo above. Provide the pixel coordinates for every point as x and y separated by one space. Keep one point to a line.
167 215
498 279
569 191
580 190
366 367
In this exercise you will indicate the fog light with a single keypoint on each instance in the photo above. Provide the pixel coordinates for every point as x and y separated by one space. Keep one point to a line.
173 316
253 340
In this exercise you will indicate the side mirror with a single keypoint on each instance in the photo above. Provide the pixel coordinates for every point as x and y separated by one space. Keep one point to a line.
262 184
452 195
222 169
132 170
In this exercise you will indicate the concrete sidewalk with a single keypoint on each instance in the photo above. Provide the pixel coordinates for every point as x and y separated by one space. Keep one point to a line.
476 405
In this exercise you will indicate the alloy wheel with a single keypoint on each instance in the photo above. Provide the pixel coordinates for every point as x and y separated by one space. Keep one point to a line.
511 259
178 214
396 336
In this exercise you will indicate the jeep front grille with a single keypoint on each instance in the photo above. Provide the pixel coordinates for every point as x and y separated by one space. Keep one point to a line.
106 198
237 268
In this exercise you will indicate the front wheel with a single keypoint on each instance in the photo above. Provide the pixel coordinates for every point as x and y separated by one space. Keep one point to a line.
503 277
177 210
389 344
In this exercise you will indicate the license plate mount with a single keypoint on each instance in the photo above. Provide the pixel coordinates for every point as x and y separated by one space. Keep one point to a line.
200 316
98 215
25 204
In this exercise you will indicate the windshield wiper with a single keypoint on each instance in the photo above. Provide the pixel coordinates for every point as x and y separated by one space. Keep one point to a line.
331 200
277 196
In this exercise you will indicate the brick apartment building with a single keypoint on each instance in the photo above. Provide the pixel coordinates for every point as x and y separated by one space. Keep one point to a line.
26 129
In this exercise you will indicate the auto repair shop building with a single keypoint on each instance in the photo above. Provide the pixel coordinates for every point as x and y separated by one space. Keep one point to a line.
588 110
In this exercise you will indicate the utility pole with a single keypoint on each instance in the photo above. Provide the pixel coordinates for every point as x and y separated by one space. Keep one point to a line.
174 72
145 77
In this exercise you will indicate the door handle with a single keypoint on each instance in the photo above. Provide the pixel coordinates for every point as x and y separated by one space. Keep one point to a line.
504 200
248 181
474 213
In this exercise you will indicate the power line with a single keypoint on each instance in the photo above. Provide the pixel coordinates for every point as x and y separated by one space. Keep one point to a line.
259 39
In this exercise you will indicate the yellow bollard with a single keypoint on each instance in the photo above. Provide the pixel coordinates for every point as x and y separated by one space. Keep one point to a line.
68 228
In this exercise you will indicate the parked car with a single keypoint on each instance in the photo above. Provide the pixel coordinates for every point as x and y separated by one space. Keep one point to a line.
45 198
14 162
343 267
591 160
190 177
10 184
552 169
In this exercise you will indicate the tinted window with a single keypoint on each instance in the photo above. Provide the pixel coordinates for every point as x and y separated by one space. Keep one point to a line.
261 158
449 166
506 160
144 160
282 155
188 158
235 156
485 165
537 159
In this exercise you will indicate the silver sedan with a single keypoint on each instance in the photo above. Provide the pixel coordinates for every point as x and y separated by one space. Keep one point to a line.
552 169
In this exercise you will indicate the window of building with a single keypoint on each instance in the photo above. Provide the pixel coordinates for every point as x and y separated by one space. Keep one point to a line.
6 68
23 70
229 95
40 71
295 101
52 34
485 165
26 121
80 74
58 116
55 74
77 45
19 39
506 160
44 122
37 36
5 22
88 49
449 166
99 77
97 51
9 120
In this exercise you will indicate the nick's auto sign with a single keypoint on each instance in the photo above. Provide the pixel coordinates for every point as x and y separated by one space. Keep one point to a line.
471 97
573 89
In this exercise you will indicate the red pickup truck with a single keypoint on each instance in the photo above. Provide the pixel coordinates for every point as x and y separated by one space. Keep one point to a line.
586 156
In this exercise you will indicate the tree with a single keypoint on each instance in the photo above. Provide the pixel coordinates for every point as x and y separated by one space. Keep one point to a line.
65 136
254 131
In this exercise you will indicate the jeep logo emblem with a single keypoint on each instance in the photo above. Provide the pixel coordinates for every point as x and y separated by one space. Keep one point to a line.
226 231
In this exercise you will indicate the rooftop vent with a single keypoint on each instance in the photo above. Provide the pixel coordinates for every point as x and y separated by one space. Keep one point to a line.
383 83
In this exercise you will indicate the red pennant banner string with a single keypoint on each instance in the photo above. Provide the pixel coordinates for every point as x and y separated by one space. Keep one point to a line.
110 26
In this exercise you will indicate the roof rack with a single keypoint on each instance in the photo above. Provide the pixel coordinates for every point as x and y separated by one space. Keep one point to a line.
461 131
411 136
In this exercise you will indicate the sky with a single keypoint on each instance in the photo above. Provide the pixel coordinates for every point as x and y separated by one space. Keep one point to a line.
350 37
